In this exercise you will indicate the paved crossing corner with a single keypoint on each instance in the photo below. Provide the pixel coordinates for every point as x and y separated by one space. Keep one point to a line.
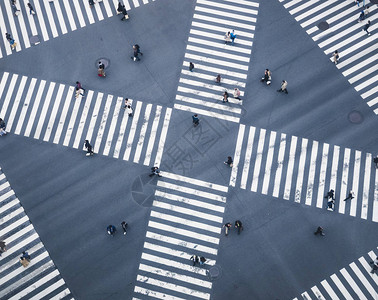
40 278
185 220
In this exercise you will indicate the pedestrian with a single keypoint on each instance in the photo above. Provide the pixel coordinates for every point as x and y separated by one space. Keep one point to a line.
330 195
2 127
137 47
16 11
320 231
79 86
362 16
124 12
227 227
366 11
202 260
237 93
111 230
239 226
91 3
336 56
127 103
267 77
129 110
191 67
195 120
101 69
229 161
13 44
135 55
31 9
366 27
227 38
218 79
195 259
88 147
119 8
155 171
374 266
283 87
225 96
3 247
375 160
8 36
25 259
232 36
124 227
350 196
331 204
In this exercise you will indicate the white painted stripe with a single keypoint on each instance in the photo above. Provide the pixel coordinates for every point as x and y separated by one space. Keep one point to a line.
317 293
26 230
214 87
88 10
206 113
366 187
239 17
341 287
187 190
290 167
185 222
121 135
24 32
79 14
369 92
100 16
366 83
33 113
102 124
373 102
363 279
194 181
69 14
29 94
322 176
127 5
268 165
16 103
83 119
375 201
31 288
41 20
173 287
280 160
306 296
136 3
367 61
107 8
45 108
335 162
48 290
189 212
12 24
211 77
230 24
63 115
329 290
244 2
152 138
247 159
14 260
311 173
344 180
222 29
8 96
258 159
358 46
356 180
184 232
218 37
353 284
315 9
367 266
50 18
9 205
155 294
6 195
11 215
163 137
301 166
109 140
291 3
4 79
132 131
237 154
14 225
71 123
202 58
175 276
190 201
174 264
93 119
4 185
181 243
358 56
142 134
302 7
224 72
23 244
61 295
228 7
202 94
58 10
3 31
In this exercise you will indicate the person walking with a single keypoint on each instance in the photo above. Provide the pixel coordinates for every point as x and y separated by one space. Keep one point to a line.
195 120
129 110
283 87
366 11
31 9
330 195
202 260
3 247
91 3
135 55
195 259
232 36
267 77
191 67
331 204
366 27
25 259
89 148
155 171
374 265
229 161
237 93
101 69
79 86
375 161
319 230
335 56
239 226
11 41
225 96
362 16
111 230
119 8
227 38
350 196
124 227
127 103
125 14
2 127
16 11
226 227
218 79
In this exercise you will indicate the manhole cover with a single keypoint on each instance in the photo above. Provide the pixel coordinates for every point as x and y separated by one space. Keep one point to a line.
214 272
323 26
34 40
103 60
143 190
355 117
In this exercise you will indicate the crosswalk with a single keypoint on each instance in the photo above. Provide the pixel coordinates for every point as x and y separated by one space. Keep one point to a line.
41 278
51 112
186 219
197 91
303 171
357 51
52 18
352 282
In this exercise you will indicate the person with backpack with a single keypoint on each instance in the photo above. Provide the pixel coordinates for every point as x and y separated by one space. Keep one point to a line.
195 259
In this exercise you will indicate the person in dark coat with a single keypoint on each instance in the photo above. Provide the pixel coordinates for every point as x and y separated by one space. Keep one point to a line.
124 12
111 230
88 147
239 226
229 161
124 227
2 127
155 171
195 120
